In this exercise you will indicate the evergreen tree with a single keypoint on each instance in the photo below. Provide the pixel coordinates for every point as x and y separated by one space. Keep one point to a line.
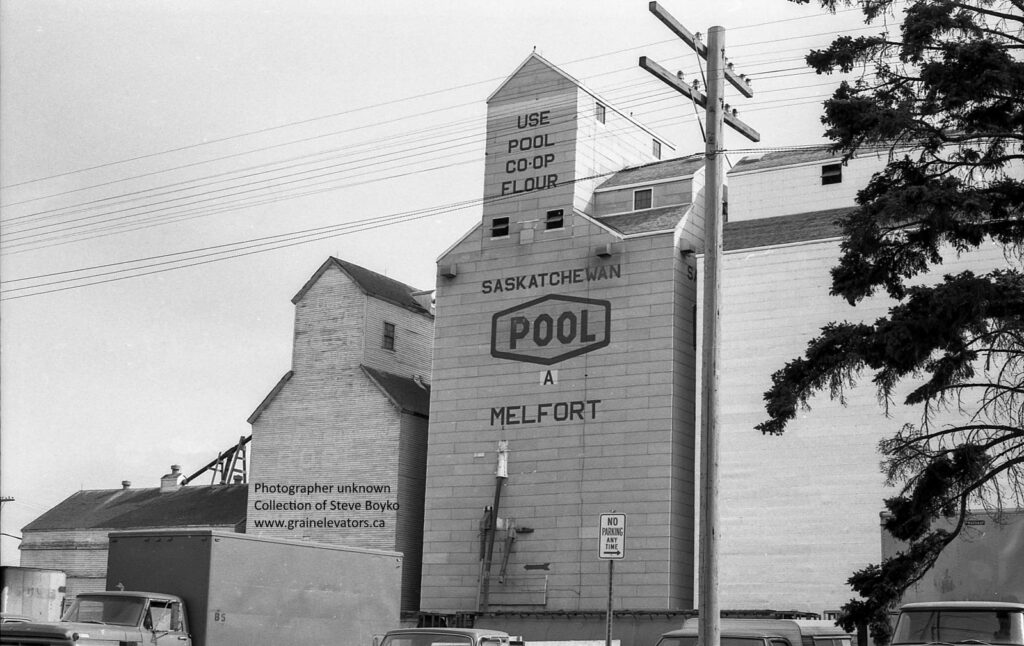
945 98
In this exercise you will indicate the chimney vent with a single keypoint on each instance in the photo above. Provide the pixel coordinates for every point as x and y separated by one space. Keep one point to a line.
170 482
126 484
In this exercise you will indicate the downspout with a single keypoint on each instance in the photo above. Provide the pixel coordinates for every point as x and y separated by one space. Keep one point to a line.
492 527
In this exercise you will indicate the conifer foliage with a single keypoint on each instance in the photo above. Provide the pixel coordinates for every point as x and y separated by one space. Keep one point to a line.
941 89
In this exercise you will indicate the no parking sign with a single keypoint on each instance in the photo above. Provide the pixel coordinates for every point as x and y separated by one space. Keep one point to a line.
612 536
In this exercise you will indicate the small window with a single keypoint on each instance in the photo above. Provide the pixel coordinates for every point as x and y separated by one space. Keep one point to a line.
388 343
599 112
158 617
831 174
499 228
656 148
555 220
643 199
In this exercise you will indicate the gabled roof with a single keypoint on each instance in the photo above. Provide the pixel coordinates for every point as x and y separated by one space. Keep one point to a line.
787 158
407 394
535 57
783 229
371 283
648 221
210 505
271 396
654 172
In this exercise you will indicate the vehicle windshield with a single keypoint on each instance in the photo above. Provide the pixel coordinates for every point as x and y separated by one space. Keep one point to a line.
427 639
101 609
987 625
691 640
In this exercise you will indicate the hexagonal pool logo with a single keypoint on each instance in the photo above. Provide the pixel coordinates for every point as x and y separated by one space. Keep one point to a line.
550 329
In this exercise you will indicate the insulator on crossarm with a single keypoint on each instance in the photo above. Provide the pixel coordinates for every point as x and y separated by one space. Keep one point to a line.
735 112
679 75
695 85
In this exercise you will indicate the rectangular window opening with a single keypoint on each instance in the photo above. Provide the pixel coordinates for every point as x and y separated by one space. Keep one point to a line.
599 112
643 199
499 228
388 342
554 220
831 174
656 148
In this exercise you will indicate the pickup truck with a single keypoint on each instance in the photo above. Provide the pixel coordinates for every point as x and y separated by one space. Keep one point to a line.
445 637
960 622
764 632
215 588
109 618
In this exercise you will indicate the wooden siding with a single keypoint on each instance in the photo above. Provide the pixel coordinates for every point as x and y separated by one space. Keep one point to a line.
413 336
330 425
663 194
799 512
633 455
605 148
789 190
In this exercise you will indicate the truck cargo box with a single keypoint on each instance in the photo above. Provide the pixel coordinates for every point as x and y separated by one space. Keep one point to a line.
33 593
242 589
983 563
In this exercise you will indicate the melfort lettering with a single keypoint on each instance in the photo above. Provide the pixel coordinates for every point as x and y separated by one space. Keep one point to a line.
538 413
550 279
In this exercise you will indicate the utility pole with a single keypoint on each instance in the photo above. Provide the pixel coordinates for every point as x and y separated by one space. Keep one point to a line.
717 116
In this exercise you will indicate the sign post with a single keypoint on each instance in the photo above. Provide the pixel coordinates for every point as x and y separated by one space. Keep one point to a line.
611 547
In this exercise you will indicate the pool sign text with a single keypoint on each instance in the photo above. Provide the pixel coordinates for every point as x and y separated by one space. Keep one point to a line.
550 329
612 536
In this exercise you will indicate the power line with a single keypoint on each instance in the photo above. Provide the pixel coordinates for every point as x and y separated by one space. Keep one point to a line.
63 211
296 238
376 106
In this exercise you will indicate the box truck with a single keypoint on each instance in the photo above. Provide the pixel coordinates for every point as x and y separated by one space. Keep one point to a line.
983 563
975 591
214 588
36 594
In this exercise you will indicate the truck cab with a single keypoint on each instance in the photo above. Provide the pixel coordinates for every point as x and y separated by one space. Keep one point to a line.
960 622
764 632
444 637
109 618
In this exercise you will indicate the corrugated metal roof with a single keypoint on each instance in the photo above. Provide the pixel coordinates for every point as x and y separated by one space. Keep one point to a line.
372 283
668 169
406 393
210 505
802 227
662 219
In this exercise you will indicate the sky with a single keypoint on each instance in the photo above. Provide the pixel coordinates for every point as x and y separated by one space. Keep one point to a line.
173 172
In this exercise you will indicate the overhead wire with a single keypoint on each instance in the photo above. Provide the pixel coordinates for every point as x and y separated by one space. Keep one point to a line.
786 102
647 98
65 210
341 113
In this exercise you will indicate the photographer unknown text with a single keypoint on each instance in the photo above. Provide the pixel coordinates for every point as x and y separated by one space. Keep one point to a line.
322 506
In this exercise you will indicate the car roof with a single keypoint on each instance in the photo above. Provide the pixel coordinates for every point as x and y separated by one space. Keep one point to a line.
468 632
131 594
751 634
967 605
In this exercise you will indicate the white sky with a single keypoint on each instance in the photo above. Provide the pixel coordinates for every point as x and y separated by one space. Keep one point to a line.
299 114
